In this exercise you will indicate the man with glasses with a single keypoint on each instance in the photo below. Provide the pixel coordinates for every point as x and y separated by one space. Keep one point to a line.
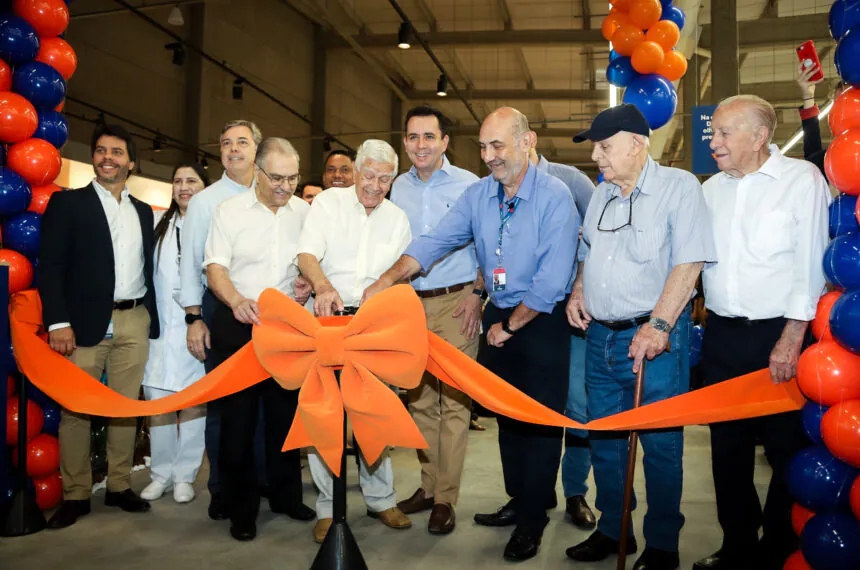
251 247
339 169
350 237
645 238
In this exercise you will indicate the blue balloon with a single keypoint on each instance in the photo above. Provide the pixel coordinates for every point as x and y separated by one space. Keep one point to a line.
40 83
842 218
52 419
842 261
620 72
9 485
696 344
666 4
844 15
21 233
655 96
831 541
844 319
19 42
600 177
819 481
53 127
847 57
674 14
14 192
613 55
811 414
38 396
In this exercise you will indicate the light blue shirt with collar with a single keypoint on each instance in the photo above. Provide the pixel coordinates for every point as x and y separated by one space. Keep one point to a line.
580 185
626 270
539 241
195 230
425 204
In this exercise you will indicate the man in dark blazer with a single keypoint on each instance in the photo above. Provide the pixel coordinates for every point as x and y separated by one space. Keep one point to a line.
98 306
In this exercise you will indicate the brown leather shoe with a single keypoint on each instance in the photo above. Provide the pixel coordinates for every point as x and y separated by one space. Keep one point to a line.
419 501
321 530
392 518
442 519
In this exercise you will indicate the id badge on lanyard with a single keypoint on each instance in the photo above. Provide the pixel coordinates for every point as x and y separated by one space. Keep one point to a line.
506 211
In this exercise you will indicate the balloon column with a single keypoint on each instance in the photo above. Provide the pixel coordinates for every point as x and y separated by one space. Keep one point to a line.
35 64
825 478
644 61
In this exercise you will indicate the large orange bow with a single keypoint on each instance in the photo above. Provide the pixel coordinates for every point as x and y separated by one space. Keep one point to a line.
385 342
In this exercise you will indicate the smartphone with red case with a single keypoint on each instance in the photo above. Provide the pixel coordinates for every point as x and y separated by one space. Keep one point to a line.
809 58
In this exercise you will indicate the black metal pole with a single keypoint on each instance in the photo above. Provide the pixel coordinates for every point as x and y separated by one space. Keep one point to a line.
339 550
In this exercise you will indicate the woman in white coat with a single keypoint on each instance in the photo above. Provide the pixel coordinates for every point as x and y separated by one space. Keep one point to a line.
176 439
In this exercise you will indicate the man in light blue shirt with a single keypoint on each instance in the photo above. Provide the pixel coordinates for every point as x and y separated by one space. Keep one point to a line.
524 225
451 293
576 461
239 140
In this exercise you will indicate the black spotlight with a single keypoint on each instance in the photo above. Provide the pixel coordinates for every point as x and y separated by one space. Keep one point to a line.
442 86
327 144
158 143
404 35
204 163
238 90
178 53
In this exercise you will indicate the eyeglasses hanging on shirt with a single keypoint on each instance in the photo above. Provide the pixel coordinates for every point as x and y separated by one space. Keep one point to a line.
635 194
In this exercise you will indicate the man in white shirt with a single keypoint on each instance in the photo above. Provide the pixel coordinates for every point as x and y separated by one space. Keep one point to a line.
770 226
350 237
252 246
339 169
239 140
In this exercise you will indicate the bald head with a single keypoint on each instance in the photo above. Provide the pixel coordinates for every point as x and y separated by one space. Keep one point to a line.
505 144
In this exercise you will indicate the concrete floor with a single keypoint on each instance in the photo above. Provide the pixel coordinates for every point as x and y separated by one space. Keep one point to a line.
182 537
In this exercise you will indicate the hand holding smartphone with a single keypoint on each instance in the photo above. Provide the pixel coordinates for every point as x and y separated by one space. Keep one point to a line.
808 57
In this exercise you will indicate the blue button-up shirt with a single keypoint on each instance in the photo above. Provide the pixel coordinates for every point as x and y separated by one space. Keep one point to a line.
539 240
580 185
426 203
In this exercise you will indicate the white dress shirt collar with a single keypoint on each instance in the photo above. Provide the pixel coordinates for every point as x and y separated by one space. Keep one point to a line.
772 167
107 193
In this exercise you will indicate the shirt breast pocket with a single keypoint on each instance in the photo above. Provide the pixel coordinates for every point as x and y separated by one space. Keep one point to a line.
383 257
773 234
644 246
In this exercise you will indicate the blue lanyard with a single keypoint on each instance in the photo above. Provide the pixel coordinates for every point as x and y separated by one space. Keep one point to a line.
506 211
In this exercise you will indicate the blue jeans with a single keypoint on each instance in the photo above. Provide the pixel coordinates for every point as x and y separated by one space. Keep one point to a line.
576 462
610 381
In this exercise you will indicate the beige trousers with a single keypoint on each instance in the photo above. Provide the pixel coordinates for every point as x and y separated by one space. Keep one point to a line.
124 358
441 412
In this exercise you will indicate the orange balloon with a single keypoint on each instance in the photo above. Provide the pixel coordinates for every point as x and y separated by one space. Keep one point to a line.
36 160
626 38
842 162
621 5
57 53
41 195
59 108
797 562
20 270
647 57
829 374
845 113
645 13
821 323
855 497
674 65
840 429
5 76
800 515
665 33
611 23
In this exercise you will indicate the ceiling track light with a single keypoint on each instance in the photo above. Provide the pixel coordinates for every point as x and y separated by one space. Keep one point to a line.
404 35
178 53
158 143
175 18
442 86
238 90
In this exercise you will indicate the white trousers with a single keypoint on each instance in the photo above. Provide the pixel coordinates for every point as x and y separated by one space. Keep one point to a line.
176 441
377 483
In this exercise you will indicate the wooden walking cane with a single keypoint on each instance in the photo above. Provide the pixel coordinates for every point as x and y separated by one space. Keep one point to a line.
632 445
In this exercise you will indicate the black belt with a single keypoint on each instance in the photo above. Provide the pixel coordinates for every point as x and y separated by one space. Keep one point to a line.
346 312
126 305
746 321
625 324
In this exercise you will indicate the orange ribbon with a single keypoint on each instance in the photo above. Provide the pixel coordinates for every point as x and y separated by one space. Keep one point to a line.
386 342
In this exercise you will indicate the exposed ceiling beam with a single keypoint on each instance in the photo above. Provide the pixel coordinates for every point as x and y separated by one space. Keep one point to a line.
773 31
599 95
142 7
428 15
505 14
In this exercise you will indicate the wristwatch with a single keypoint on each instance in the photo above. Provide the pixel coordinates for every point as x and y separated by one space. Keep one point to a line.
660 324
506 326
482 293
191 319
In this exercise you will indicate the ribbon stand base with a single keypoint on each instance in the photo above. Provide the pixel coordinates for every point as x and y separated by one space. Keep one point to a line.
340 550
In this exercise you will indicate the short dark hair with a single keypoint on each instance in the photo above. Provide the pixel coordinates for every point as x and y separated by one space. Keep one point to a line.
340 152
300 191
114 131
445 123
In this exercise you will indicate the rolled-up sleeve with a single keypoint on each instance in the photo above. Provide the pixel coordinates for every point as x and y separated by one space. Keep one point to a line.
690 224
219 244
810 241
453 231
556 255
313 238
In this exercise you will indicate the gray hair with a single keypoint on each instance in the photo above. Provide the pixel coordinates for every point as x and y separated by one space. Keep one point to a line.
762 112
256 134
273 145
377 151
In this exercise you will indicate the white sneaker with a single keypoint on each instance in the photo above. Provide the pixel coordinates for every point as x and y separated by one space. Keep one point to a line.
154 491
183 493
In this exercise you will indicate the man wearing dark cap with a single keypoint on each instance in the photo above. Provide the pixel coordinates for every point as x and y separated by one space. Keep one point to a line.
645 239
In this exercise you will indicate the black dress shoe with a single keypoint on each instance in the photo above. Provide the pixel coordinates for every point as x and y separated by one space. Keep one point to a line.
505 516
243 532
218 508
722 560
521 546
127 501
655 559
299 512
68 513
597 547
579 513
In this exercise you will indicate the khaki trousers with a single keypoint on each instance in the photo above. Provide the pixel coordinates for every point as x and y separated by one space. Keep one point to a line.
441 412
124 358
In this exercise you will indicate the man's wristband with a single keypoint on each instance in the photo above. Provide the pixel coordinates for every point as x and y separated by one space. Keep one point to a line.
482 293
506 326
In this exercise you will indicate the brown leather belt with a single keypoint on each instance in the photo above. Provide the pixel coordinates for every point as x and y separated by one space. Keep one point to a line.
430 293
